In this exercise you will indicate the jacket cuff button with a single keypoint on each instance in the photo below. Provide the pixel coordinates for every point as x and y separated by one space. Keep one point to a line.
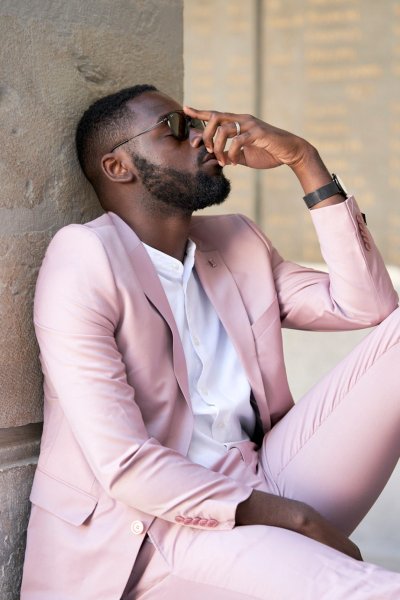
212 523
179 519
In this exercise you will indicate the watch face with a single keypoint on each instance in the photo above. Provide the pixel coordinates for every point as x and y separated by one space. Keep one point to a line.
340 185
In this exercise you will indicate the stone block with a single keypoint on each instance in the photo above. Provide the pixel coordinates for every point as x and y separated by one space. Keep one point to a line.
18 450
15 484
20 374
55 61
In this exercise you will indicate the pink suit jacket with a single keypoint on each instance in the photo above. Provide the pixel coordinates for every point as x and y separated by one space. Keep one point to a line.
118 418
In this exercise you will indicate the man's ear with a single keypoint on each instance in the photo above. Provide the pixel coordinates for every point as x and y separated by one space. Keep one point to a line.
117 169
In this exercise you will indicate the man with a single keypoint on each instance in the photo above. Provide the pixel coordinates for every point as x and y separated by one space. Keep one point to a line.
173 462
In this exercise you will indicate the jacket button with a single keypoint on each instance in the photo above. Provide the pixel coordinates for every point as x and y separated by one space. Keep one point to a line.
137 527
212 523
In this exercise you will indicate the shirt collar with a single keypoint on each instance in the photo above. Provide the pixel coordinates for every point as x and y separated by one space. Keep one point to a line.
170 267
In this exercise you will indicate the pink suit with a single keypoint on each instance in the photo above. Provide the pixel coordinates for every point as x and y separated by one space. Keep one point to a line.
118 419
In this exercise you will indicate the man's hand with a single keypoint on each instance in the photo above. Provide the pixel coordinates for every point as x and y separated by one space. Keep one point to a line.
267 509
259 145
263 146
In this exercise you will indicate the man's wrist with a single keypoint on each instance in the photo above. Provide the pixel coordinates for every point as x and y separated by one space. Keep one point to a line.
327 191
312 174
310 170
261 508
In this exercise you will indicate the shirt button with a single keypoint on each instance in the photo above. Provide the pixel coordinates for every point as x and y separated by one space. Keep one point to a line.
196 341
137 527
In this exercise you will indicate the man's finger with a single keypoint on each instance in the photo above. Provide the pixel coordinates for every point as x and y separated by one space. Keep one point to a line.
223 133
208 115
235 152
204 115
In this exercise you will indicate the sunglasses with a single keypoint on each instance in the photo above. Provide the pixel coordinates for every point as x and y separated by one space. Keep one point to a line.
179 124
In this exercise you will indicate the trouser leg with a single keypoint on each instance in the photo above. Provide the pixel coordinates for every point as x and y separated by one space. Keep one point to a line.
335 450
258 563
338 446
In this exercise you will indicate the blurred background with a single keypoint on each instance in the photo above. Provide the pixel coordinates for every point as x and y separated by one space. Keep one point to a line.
328 70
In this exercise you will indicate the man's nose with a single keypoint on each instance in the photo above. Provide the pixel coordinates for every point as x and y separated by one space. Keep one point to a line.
196 137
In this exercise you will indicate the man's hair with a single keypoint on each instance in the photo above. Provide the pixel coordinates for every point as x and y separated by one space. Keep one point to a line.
101 126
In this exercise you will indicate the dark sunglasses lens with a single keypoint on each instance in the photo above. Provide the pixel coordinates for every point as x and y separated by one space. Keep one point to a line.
178 123
197 124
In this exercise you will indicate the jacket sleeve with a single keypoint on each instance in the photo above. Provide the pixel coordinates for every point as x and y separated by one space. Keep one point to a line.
356 292
76 314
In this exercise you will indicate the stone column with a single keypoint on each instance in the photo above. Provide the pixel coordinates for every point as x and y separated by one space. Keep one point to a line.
56 58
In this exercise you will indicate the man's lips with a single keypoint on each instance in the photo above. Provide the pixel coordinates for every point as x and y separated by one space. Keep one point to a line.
204 157
209 156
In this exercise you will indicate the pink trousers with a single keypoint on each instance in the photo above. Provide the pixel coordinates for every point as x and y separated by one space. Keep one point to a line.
334 450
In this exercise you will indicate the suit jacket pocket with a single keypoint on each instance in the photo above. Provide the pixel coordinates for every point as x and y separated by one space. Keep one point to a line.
267 318
61 499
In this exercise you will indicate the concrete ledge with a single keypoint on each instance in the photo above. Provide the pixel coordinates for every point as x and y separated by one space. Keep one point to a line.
19 444
19 448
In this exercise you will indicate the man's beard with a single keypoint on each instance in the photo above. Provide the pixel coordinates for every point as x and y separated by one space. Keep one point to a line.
178 191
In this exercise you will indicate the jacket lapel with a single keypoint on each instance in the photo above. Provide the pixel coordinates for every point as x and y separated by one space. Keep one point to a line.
151 285
220 286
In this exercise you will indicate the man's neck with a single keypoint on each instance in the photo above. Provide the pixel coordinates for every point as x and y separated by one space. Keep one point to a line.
169 234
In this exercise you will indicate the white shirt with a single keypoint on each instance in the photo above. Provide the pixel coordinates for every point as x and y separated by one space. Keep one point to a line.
219 389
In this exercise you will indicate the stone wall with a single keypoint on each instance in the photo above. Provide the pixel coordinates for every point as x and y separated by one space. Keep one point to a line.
56 58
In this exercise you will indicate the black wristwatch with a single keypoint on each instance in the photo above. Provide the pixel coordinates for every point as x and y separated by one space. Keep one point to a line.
326 191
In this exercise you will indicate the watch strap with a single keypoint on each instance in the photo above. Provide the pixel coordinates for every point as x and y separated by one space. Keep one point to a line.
322 193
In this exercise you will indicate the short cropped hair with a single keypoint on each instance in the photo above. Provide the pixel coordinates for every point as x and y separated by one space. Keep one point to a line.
100 126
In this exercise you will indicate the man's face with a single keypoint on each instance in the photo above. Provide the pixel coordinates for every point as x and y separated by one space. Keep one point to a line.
180 176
